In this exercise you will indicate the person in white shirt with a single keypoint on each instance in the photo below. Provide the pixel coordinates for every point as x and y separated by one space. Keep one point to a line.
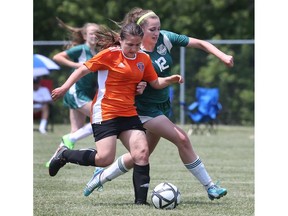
41 100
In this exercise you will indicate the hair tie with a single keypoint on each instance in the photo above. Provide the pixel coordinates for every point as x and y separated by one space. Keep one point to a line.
144 16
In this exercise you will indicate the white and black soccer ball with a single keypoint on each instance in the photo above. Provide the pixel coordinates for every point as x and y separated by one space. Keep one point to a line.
165 196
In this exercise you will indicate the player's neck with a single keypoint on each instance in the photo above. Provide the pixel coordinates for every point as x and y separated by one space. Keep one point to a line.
147 47
92 48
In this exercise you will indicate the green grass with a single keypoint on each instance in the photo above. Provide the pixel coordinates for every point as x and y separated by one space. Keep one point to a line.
228 156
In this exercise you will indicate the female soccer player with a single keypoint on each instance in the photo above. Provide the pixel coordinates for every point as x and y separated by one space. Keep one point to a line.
114 114
79 97
153 106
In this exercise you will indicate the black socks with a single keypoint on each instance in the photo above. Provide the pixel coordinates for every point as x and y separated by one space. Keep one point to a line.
84 157
141 182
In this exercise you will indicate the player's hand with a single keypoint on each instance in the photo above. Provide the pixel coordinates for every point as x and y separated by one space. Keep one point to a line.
140 88
57 93
228 61
176 79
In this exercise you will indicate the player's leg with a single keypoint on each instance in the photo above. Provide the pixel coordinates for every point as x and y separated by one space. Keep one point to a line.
101 176
122 165
44 118
119 167
77 118
190 159
152 140
104 156
136 141
79 128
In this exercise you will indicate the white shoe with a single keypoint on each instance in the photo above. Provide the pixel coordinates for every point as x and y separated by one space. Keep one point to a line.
42 131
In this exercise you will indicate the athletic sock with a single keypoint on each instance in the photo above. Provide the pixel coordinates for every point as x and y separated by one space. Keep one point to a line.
141 182
198 169
84 157
116 169
43 124
81 133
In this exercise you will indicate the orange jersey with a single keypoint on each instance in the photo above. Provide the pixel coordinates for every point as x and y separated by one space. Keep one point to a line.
118 77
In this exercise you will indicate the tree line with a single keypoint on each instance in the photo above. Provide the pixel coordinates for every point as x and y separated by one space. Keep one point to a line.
203 19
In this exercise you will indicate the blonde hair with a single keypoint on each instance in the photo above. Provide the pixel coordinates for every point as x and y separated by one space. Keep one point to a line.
139 16
77 34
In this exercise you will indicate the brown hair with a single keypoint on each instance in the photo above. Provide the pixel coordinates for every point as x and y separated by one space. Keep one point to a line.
107 37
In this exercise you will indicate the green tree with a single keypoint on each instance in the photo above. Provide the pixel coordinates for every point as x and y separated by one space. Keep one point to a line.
203 19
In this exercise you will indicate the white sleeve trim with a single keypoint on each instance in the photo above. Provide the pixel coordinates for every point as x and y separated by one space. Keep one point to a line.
167 42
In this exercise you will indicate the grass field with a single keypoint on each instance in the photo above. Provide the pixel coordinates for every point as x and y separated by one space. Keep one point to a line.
228 157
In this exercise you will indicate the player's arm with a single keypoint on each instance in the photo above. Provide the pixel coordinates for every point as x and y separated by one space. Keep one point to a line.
163 82
210 48
74 77
63 59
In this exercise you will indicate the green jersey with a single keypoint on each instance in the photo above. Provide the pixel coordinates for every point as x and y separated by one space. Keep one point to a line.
162 62
84 89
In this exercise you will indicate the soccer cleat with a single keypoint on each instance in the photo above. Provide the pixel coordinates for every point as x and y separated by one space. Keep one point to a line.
57 161
94 182
48 163
216 192
141 203
67 142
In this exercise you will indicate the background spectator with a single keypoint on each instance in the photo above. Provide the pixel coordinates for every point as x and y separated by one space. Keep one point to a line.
41 100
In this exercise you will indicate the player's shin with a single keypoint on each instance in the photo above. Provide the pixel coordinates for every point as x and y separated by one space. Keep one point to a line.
141 180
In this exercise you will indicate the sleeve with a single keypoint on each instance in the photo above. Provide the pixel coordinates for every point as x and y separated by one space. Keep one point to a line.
175 39
149 71
74 52
97 62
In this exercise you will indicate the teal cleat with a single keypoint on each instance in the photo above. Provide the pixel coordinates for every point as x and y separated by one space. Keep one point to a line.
94 182
216 192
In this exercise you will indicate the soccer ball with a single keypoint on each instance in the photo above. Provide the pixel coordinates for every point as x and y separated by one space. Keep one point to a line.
165 196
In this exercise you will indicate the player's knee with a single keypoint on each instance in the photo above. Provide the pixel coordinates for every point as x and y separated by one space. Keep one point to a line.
141 156
183 141
104 160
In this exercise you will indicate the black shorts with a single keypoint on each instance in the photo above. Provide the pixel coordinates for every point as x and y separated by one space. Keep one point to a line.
116 126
